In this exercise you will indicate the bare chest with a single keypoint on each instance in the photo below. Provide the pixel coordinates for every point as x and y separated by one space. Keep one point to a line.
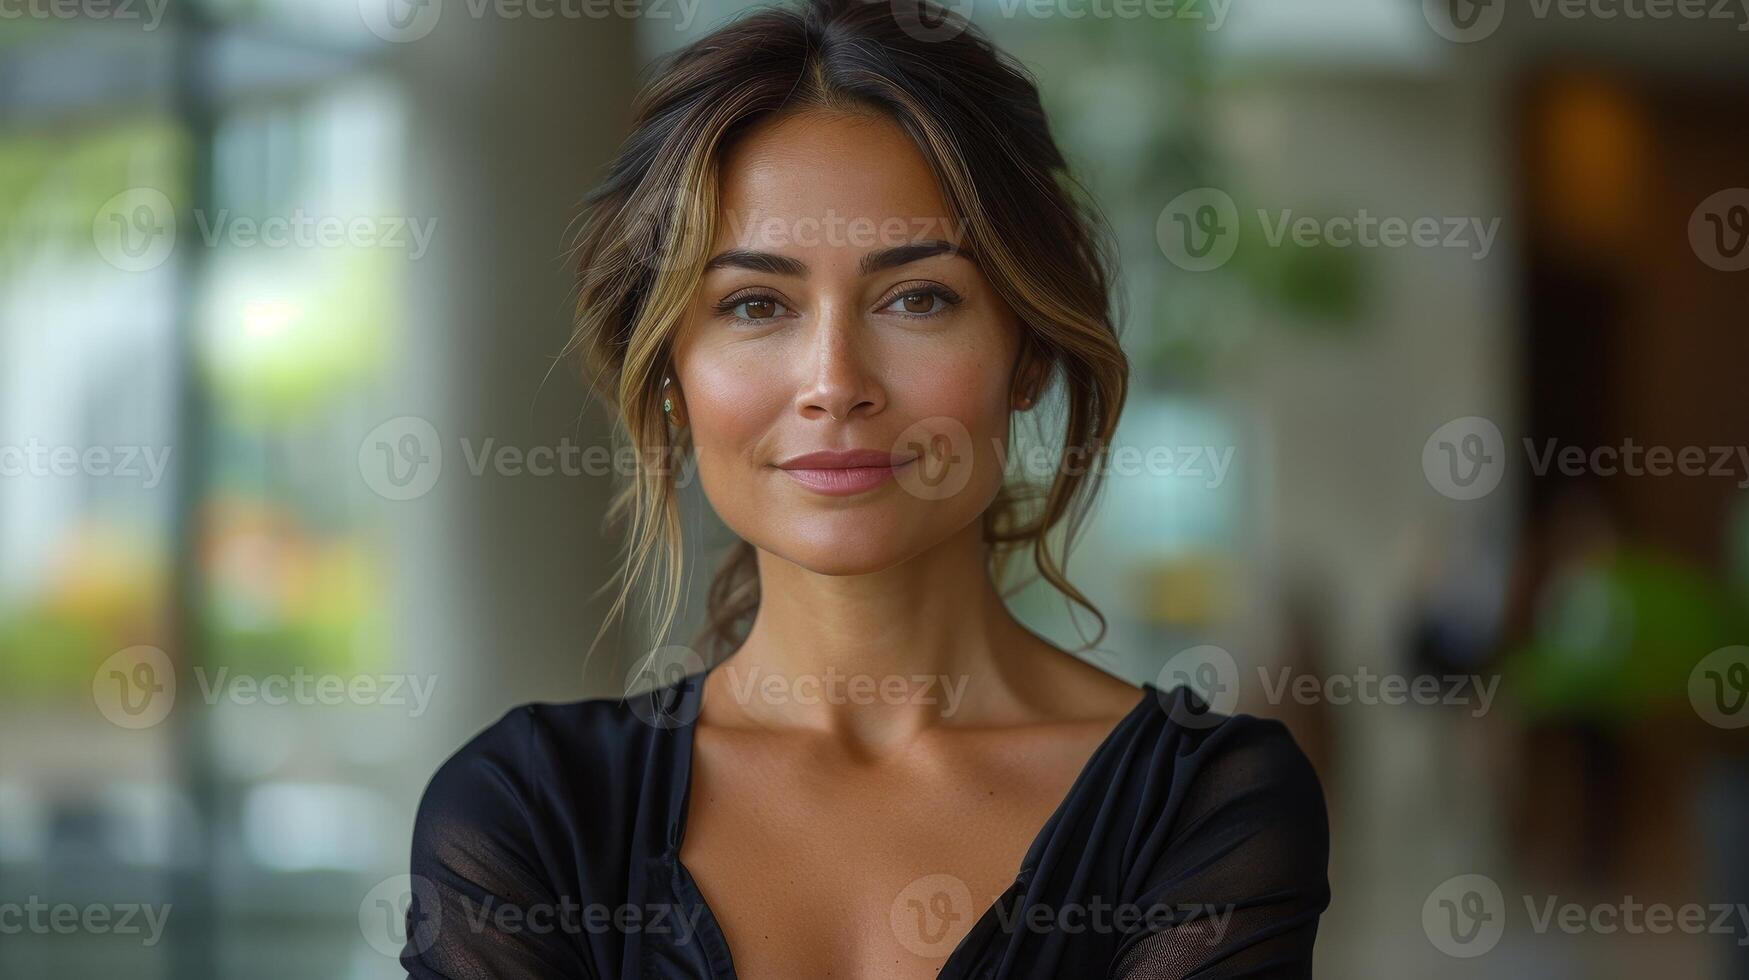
817 866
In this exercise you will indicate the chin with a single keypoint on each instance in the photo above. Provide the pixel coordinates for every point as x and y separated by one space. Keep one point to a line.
848 542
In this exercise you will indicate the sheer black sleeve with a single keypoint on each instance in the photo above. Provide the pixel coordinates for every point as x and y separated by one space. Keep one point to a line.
1235 877
482 904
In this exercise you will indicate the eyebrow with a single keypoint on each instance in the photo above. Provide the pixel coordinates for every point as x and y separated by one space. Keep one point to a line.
876 261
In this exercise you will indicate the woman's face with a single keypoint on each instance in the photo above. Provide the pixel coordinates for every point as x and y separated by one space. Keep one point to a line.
838 313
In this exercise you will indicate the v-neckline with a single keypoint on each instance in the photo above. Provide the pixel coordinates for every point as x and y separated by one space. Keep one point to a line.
690 705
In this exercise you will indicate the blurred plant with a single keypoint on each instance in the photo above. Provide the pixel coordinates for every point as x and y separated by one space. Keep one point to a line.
281 596
1129 99
1617 636
54 183
103 586
1321 285
105 590
285 339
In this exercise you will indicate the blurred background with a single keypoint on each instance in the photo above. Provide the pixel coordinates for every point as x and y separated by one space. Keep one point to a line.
1439 315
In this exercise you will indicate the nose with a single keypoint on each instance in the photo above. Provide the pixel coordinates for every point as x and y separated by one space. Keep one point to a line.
840 380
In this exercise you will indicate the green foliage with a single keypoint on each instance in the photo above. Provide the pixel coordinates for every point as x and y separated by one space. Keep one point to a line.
53 184
1619 638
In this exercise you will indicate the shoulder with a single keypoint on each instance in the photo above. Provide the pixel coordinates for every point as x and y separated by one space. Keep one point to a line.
539 738
545 767
1214 785
1210 755
537 811
1231 837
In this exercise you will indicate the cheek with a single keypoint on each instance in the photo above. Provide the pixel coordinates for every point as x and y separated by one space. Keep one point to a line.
956 414
731 406
960 390
968 387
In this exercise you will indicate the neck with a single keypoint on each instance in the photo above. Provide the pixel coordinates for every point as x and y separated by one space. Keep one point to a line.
881 656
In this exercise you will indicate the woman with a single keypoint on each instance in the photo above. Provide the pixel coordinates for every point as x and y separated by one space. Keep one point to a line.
836 257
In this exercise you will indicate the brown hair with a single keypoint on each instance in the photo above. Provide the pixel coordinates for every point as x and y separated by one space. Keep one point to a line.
975 116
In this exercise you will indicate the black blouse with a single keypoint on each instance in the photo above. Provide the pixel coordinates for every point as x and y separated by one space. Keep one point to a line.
1191 844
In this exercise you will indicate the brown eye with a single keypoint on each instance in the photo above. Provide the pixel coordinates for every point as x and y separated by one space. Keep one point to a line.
753 308
923 302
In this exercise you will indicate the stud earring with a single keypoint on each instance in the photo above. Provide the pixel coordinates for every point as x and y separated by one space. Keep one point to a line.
668 403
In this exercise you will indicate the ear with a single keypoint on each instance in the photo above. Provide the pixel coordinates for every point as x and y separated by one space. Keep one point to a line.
1029 371
1035 379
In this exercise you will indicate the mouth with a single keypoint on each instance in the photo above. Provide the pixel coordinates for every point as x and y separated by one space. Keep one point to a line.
842 474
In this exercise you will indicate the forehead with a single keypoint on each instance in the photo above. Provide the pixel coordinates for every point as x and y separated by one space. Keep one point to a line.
828 170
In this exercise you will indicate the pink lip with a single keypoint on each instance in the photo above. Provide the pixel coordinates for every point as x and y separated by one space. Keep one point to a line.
844 472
